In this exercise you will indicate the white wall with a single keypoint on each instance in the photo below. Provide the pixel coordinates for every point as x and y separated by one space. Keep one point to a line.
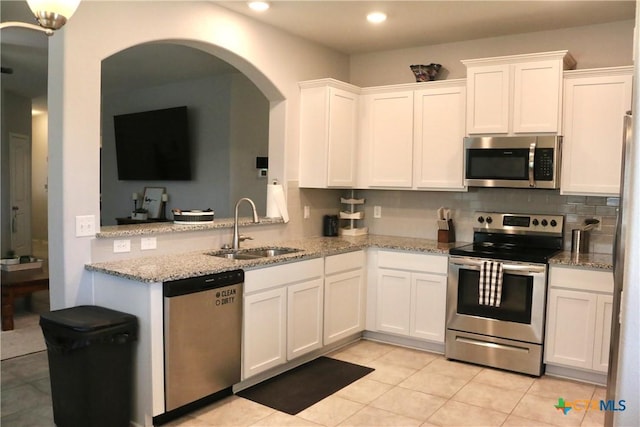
273 60
594 46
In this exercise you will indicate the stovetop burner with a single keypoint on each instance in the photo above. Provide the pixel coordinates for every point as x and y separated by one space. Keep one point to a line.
515 237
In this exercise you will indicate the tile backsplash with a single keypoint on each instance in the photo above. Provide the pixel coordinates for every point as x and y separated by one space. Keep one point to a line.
413 213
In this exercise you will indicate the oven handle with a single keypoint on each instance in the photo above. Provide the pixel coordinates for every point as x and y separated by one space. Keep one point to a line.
506 268
532 160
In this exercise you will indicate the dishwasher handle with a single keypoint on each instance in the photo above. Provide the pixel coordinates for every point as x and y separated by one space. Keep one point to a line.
191 285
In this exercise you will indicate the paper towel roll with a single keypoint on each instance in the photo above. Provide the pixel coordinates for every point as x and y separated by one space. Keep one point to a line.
276 203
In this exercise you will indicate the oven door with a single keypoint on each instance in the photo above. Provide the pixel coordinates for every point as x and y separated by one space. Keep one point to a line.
520 315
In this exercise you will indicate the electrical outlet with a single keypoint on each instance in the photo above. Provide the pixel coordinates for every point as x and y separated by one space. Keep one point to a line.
377 211
147 243
120 246
85 225
305 213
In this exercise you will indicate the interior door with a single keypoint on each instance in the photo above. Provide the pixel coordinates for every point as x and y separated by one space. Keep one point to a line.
20 193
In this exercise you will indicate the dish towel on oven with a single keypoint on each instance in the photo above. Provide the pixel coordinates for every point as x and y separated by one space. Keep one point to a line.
490 284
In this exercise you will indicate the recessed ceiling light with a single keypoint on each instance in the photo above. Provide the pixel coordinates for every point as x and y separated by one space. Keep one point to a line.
259 6
376 17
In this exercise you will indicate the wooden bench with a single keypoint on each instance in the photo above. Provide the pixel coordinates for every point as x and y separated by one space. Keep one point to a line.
21 283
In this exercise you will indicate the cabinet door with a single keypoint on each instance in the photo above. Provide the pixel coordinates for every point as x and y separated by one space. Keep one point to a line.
343 305
593 132
604 314
439 129
488 99
343 121
394 301
389 139
428 306
570 328
536 96
304 317
328 137
264 339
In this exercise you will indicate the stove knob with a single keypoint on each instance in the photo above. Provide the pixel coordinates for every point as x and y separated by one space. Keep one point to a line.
535 222
480 219
489 220
544 223
553 223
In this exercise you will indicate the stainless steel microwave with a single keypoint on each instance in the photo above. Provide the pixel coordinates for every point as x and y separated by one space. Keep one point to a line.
513 161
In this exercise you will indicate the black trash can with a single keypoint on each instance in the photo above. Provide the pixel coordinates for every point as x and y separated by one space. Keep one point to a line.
90 355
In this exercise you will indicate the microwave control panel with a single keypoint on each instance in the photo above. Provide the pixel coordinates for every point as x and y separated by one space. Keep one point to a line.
543 164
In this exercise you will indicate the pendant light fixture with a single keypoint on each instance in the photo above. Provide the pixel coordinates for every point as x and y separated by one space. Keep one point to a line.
50 14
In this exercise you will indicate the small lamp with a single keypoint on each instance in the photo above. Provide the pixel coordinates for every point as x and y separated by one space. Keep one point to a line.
50 14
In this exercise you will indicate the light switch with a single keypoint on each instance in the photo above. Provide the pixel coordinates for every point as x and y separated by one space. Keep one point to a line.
85 225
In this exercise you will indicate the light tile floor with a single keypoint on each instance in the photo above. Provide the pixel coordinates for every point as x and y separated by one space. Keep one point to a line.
407 388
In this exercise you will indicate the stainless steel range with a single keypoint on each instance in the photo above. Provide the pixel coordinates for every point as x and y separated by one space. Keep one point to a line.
496 295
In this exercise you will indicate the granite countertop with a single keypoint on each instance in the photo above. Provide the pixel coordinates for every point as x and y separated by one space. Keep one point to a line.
588 260
127 230
162 268
191 264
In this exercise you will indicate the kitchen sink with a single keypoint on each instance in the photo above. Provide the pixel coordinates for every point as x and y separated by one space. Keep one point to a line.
247 254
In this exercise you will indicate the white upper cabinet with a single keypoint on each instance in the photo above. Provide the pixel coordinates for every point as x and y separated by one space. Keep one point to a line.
595 102
412 136
516 94
439 129
387 139
328 133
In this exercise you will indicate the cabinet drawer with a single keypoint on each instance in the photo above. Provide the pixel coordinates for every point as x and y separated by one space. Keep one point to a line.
281 275
437 264
581 279
344 262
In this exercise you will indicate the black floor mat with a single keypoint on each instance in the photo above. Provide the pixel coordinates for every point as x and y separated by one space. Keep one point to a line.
301 387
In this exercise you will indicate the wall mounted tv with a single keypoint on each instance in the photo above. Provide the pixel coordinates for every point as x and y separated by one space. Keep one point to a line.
153 145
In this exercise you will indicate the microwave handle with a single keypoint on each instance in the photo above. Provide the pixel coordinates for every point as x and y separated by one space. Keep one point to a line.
532 159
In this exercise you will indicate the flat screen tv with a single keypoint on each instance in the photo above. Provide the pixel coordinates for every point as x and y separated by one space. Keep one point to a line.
153 145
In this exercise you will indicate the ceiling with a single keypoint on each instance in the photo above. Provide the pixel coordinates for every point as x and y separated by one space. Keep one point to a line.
339 25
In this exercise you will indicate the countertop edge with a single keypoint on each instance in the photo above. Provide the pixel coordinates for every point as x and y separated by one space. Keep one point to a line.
587 260
162 268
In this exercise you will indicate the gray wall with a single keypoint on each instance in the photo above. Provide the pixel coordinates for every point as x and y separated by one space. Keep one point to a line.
249 139
593 46
212 106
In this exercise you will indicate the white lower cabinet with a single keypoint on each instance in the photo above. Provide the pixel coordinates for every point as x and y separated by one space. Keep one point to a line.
304 317
411 295
265 331
344 296
579 318
282 314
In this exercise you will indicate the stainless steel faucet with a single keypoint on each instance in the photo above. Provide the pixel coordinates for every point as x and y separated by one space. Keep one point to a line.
236 237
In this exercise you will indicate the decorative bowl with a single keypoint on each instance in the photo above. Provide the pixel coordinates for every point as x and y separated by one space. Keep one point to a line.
193 216
425 73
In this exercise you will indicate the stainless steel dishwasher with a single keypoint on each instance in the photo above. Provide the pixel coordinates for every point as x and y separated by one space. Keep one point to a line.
202 336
